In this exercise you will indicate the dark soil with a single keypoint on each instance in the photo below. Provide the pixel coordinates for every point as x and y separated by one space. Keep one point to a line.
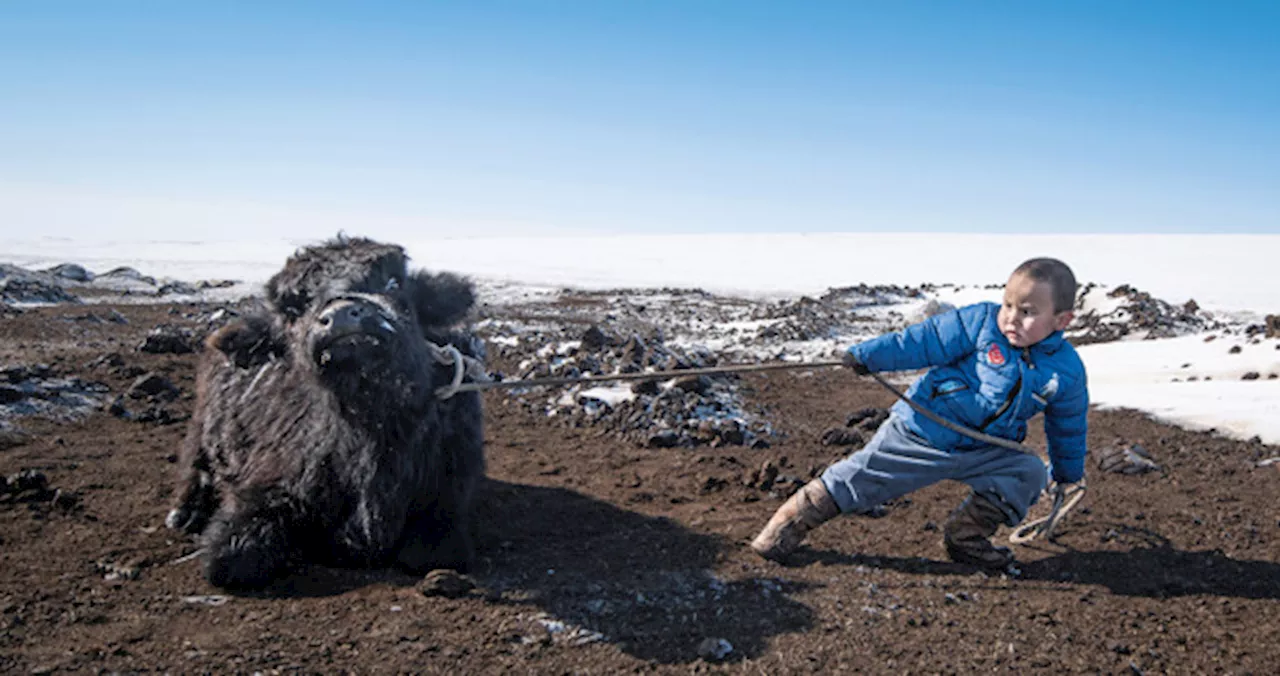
601 556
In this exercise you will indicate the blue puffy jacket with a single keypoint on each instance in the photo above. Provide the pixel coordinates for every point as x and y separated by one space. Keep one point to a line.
982 382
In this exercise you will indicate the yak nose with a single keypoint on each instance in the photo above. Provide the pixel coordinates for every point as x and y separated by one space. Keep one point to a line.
347 315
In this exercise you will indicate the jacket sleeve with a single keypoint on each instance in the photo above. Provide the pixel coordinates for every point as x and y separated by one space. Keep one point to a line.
1066 425
938 340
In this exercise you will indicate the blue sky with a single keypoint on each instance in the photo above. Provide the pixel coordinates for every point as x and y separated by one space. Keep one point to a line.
254 118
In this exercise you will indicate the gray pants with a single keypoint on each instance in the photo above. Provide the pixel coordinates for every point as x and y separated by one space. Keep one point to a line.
897 461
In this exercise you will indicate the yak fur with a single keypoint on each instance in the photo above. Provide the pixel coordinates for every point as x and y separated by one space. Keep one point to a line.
317 436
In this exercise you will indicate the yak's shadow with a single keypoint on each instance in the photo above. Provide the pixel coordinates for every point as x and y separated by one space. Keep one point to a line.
1149 565
589 571
644 583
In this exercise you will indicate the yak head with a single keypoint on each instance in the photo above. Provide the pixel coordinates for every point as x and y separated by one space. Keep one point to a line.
352 309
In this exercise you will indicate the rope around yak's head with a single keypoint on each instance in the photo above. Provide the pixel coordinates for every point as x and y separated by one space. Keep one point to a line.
1065 497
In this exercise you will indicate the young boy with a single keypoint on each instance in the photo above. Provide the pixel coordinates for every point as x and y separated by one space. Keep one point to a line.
993 368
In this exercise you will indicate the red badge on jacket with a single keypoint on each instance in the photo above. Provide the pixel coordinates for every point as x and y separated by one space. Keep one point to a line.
994 356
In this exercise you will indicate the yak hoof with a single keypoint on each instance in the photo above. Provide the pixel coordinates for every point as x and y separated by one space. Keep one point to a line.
454 552
249 556
186 520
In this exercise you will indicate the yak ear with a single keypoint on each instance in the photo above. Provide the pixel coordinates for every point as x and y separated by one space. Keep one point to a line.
286 295
442 299
249 341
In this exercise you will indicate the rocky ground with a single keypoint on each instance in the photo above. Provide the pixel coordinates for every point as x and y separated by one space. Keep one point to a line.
615 517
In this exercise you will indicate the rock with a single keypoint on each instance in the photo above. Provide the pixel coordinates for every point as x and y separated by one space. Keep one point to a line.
634 351
17 374
447 583
27 480
29 290
767 476
860 415
733 436
112 571
714 649
1191 306
663 439
1273 327
125 272
1252 375
10 394
931 308
176 288
1235 349
160 416
167 339
117 408
152 385
649 387
110 360
1126 459
695 384
66 500
594 339
71 271
11 437
841 436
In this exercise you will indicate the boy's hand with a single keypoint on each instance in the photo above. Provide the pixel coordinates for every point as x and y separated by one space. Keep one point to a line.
852 362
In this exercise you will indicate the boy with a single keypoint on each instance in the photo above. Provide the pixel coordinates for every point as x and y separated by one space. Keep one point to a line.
993 368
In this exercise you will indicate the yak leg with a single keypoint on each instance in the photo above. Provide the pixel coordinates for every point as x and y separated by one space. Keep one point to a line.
249 546
436 541
196 499
439 536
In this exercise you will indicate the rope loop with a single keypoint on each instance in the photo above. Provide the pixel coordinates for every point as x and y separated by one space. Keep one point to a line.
449 355
1065 499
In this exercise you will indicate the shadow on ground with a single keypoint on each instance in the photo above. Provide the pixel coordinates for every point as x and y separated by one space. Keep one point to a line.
643 583
593 572
1152 567
1149 566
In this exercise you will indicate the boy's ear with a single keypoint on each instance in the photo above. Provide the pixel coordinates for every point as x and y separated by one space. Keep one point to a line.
1063 319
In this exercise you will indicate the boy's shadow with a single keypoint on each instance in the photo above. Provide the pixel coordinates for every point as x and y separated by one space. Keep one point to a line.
1149 567
1152 567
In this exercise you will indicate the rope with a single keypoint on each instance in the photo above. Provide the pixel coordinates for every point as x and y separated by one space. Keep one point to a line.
1065 498
651 375
459 363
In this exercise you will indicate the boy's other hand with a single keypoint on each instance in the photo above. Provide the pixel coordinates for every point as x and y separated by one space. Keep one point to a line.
852 362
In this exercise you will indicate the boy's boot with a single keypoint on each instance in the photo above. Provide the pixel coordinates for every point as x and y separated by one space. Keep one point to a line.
967 534
808 508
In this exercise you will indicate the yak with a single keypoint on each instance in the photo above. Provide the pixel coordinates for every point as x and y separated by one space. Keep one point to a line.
318 435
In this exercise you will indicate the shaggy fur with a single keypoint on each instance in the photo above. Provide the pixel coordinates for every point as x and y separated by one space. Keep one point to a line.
317 435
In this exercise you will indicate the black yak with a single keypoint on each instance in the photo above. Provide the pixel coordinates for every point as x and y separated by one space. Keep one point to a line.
317 434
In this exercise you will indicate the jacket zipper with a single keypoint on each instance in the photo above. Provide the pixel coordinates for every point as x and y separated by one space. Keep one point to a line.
1017 387
1003 407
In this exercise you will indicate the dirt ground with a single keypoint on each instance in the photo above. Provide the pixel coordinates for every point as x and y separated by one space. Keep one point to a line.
602 556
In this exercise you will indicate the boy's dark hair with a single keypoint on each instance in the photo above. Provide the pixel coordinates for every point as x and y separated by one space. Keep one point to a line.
1057 275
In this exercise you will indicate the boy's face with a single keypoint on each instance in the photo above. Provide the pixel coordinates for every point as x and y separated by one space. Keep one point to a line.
1027 316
